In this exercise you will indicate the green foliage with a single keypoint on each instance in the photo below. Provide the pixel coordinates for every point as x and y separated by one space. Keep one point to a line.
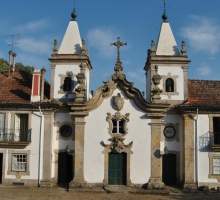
3 65
21 67
18 66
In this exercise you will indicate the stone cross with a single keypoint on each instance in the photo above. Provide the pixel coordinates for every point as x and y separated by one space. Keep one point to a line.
118 44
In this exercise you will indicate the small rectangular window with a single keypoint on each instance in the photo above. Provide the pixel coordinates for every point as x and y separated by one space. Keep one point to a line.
2 126
216 130
121 126
19 162
114 123
216 165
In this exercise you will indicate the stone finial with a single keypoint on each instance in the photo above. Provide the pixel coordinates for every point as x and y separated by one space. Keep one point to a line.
80 90
153 49
84 50
118 71
183 51
73 15
156 90
148 53
55 49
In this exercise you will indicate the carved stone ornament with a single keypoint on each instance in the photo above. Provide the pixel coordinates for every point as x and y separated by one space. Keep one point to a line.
118 102
156 90
80 90
117 145
117 117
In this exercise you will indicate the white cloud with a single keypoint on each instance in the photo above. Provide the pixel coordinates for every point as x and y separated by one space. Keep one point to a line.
203 71
137 75
203 34
100 39
34 46
32 26
32 60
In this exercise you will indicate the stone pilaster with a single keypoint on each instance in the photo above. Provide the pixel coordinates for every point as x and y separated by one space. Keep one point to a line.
155 181
188 152
79 122
185 76
47 149
52 81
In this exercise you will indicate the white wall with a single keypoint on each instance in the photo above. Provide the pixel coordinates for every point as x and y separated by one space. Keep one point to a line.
174 145
203 150
63 69
174 70
34 149
96 131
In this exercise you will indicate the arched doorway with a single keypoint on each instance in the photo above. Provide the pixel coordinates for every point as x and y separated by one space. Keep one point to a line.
169 169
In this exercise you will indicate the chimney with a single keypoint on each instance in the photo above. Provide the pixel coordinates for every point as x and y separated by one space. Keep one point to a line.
14 61
10 62
43 71
35 93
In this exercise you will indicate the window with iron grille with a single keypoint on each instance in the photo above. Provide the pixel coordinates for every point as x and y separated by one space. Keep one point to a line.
216 165
216 129
19 162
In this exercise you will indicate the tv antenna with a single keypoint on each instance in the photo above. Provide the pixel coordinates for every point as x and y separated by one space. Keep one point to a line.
12 40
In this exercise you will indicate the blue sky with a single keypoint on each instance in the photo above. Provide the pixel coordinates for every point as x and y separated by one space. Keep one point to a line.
102 21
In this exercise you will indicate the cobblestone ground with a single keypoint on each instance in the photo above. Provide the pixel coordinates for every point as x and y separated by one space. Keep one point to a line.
59 193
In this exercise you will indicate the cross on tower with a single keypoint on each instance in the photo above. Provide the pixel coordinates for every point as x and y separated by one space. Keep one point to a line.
118 44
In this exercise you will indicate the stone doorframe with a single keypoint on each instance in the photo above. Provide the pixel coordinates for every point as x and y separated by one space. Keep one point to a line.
111 148
56 153
4 152
177 153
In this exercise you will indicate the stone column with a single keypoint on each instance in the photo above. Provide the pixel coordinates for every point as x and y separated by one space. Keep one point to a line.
47 149
79 122
188 152
155 181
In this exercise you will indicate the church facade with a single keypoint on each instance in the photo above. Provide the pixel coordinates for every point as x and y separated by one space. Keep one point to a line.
115 136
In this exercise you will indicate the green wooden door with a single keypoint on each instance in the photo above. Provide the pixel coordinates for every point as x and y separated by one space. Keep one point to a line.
169 169
117 169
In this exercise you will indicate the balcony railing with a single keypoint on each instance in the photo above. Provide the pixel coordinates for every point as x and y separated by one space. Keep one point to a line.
214 141
15 135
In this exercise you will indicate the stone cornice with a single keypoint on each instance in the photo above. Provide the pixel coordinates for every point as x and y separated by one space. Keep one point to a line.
157 60
57 59
156 110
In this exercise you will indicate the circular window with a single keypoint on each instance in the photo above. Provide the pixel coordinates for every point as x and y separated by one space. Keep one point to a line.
65 130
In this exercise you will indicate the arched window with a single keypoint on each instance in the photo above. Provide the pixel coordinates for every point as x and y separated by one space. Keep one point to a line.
169 85
67 84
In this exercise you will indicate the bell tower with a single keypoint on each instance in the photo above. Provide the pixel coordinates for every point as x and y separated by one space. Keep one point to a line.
172 65
67 62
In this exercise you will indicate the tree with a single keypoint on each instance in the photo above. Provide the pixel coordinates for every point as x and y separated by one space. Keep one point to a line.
18 66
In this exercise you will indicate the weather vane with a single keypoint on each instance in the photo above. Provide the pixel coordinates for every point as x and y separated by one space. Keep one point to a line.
118 44
12 40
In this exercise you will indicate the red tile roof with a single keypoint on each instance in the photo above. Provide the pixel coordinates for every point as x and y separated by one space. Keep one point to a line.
203 93
16 88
